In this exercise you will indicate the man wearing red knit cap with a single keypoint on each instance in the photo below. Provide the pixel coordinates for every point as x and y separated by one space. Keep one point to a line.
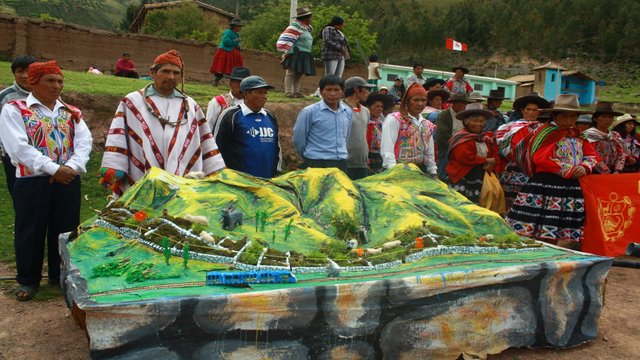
407 137
159 126
49 144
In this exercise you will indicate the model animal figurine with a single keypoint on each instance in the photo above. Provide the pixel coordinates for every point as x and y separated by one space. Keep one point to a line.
231 217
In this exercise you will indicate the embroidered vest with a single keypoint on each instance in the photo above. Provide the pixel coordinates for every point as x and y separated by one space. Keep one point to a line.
51 137
413 140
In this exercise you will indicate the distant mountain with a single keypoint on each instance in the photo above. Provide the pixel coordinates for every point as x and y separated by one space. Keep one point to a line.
101 14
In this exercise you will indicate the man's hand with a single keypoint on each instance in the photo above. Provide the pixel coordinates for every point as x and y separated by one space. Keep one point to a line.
64 175
578 172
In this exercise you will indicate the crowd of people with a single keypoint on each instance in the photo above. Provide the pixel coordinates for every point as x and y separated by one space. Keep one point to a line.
538 151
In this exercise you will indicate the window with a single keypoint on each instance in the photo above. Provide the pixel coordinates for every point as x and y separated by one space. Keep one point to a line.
391 77
477 87
553 77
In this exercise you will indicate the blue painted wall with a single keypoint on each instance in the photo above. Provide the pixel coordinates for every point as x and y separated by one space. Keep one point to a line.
552 80
584 88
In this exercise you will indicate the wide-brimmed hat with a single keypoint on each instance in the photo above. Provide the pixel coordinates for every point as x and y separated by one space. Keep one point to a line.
566 102
532 97
239 73
474 109
302 11
432 81
254 82
460 67
476 96
605 107
236 22
623 119
459 97
496 94
444 95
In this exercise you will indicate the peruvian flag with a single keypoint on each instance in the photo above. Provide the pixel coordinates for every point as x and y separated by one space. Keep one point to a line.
456 45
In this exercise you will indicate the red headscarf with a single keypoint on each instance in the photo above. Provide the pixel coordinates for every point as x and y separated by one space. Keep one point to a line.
414 89
37 69
170 57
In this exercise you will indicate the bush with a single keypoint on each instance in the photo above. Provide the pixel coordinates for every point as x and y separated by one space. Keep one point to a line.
185 21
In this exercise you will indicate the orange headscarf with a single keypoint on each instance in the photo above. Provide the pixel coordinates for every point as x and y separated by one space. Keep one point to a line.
414 89
170 57
37 69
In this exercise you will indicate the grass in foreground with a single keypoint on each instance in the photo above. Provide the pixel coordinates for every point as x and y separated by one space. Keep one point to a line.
94 197
81 82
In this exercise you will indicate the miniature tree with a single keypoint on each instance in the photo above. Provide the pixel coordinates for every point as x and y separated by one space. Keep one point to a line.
264 220
287 229
273 236
165 250
185 254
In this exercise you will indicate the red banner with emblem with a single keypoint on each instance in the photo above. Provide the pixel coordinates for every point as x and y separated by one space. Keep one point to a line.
612 204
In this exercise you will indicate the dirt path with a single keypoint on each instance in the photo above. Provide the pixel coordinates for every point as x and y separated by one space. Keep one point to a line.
44 329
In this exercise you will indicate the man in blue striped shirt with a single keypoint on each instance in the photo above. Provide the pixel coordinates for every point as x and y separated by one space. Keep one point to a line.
247 134
321 130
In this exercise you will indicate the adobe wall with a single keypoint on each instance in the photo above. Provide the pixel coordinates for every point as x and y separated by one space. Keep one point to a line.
77 48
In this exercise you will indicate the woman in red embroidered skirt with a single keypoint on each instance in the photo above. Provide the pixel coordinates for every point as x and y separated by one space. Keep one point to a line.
228 54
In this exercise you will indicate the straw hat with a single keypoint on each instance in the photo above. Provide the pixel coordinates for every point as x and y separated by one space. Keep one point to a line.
623 119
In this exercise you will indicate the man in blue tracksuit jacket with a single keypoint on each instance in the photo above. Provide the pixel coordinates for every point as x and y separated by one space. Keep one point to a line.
247 134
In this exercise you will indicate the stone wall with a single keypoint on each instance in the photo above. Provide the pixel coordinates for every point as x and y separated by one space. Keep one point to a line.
77 48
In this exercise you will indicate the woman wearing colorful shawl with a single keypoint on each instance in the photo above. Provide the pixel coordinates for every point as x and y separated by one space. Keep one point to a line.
625 125
471 152
435 101
551 206
509 135
228 54
407 137
608 144
295 43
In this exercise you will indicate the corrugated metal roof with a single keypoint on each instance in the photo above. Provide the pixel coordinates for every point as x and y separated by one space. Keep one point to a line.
549 65
522 78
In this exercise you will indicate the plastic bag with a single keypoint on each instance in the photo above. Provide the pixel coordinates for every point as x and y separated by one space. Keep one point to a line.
492 195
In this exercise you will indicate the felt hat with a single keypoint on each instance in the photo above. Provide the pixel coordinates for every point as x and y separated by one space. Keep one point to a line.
432 81
444 95
239 73
532 97
37 69
605 107
357 81
303 11
476 96
459 97
254 82
623 119
460 67
566 102
496 94
474 109
236 22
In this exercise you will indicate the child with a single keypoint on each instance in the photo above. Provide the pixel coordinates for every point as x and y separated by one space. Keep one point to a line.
374 72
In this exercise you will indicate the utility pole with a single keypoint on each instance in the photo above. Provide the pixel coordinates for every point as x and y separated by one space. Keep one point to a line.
294 6
237 8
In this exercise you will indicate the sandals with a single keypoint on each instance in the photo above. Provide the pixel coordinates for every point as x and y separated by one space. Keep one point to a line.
26 292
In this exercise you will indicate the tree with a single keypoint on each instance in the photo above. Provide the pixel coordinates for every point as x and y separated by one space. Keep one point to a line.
184 21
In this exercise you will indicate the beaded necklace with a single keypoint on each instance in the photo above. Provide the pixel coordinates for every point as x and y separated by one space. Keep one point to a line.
153 109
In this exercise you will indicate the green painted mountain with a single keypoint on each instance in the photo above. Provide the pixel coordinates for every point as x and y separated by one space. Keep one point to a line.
310 212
